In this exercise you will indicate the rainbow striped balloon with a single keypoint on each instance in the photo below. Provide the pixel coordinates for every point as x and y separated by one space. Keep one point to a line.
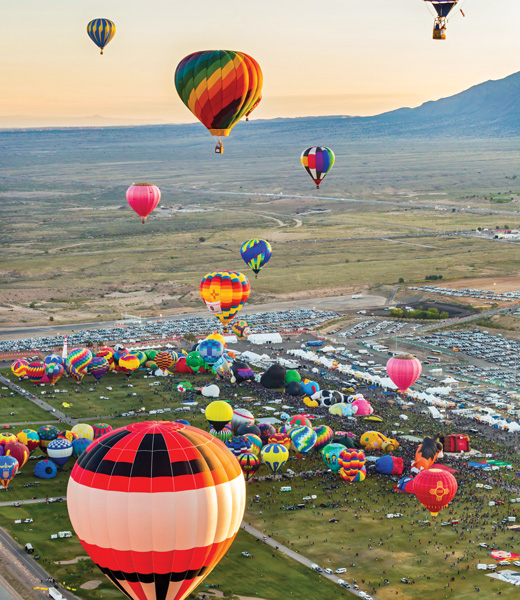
224 293
79 359
219 87
303 439
324 435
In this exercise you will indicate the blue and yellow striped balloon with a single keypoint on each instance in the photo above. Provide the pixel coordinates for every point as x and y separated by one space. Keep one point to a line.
256 254
101 31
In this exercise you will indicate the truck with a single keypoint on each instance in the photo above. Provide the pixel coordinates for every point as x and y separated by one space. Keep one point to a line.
55 595
315 343
357 296
29 549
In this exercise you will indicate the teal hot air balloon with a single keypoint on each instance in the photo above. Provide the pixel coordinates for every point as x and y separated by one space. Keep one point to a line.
256 254
101 32
331 456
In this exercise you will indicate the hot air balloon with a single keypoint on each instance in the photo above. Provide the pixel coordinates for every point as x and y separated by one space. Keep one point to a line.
219 87
54 372
67 434
59 451
299 421
79 359
98 367
156 506
435 489
101 32
78 376
280 438
266 431
29 438
256 254
18 451
303 439
45 469
331 454
54 358
47 433
256 443
239 444
241 329
211 351
7 438
352 465
275 456
83 430
8 470
79 446
241 416
318 161
324 435
223 435
253 108
195 361
247 428
19 368
106 352
163 360
224 293
219 414
35 371
143 198
128 363
441 10
404 370
249 463
101 429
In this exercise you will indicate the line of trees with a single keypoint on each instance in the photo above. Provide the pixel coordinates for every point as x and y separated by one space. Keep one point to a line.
420 313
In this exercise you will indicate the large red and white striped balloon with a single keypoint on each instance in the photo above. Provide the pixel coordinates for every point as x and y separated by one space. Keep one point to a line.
404 370
143 198
156 505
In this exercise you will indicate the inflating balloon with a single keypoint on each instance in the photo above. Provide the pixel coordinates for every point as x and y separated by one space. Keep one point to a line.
45 469
223 435
54 372
47 433
324 435
101 429
79 446
79 359
19 368
303 440
83 430
275 456
352 465
29 438
211 350
249 463
331 454
98 367
256 442
59 451
238 444
8 470
18 451
163 360
241 416
219 414
281 438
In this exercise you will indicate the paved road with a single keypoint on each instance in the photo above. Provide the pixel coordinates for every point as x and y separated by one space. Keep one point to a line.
40 403
292 554
27 566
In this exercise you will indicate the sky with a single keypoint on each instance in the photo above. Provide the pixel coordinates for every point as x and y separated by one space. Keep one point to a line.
339 57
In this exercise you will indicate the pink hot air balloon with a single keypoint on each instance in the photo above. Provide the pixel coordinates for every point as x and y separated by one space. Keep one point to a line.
143 198
404 370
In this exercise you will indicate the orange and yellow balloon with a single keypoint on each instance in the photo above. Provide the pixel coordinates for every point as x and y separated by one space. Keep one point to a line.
224 293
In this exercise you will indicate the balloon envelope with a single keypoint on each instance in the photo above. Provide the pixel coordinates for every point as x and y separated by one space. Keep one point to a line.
404 370
318 161
143 198
256 254
156 506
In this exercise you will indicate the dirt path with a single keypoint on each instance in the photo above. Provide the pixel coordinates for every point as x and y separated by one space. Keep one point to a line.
91 585
70 562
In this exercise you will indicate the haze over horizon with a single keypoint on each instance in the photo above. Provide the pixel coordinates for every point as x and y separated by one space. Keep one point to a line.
355 60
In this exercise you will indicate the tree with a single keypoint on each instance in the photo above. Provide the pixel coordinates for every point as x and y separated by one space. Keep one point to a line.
190 337
51 318
401 280
202 239
347 260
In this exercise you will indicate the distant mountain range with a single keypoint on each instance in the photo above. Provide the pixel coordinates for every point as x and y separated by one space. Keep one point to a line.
489 109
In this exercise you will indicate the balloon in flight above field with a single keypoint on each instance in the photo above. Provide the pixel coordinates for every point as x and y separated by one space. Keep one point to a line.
219 87
253 108
435 489
256 254
224 293
318 161
241 329
101 32
441 9
404 370
143 198
156 506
